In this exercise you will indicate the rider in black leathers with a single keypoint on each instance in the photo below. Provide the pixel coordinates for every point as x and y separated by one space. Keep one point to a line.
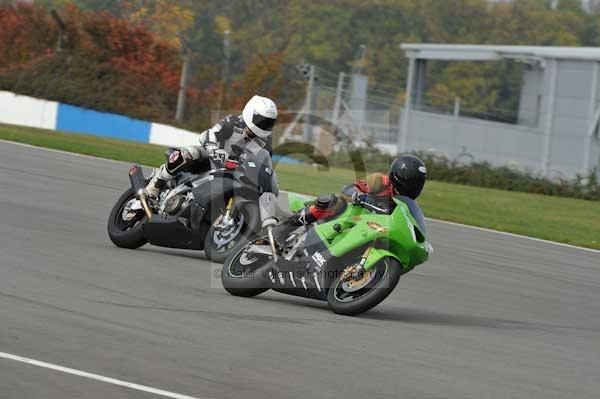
251 131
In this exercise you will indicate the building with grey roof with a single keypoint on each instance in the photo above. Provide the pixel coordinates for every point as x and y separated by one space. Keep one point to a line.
556 131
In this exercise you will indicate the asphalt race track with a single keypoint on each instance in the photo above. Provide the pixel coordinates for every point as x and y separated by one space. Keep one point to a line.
490 316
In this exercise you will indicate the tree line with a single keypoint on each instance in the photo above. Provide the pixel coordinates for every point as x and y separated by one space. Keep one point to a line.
138 39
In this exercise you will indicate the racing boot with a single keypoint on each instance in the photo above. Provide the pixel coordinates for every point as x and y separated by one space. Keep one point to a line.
282 231
323 207
157 182
309 214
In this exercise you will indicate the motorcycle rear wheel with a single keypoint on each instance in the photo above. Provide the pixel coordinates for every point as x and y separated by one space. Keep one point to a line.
352 300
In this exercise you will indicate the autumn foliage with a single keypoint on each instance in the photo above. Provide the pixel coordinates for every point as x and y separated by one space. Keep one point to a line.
103 62
129 61
118 65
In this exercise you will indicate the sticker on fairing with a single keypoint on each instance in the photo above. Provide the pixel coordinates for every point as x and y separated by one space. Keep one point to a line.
318 258
316 277
411 227
252 164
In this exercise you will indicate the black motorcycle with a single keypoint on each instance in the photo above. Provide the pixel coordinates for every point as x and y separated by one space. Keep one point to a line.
214 210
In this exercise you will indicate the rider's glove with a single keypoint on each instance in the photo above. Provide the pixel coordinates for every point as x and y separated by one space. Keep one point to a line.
359 198
210 146
218 156
429 248
269 222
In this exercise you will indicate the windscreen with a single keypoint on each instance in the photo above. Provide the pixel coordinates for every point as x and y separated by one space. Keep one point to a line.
259 170
415 211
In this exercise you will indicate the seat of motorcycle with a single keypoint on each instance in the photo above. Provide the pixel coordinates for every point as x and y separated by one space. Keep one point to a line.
415 210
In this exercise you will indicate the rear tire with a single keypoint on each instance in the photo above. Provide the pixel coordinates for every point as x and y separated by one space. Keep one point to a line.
387 273
120 232
240 278
251 223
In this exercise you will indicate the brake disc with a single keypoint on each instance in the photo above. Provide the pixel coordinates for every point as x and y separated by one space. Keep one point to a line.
130 210
354 284
224 237
247 259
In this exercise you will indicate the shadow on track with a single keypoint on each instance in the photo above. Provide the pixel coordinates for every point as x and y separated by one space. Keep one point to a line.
293 300
184 253
414 316
423 317
428 317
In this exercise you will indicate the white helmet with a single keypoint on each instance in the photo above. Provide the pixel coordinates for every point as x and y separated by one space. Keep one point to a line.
260 114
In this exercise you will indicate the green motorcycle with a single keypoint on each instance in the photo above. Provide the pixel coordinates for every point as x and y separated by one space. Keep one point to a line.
353 260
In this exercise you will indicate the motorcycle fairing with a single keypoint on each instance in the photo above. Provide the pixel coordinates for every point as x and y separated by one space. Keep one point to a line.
170 232
312 273
297 202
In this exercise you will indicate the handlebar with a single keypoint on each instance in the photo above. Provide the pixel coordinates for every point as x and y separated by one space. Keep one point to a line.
372 207
356 200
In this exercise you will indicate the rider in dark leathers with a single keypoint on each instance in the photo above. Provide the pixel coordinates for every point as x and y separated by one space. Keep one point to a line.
251 131
406 178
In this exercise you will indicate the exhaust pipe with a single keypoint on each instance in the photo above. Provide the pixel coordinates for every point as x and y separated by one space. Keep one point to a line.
142 196
138 183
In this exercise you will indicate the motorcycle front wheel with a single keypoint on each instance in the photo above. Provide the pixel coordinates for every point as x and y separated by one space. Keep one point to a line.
352 296
243 273
220 242
126 233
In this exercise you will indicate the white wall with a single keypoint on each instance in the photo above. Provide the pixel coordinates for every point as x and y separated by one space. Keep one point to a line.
34 112
170 136
27 111
498 143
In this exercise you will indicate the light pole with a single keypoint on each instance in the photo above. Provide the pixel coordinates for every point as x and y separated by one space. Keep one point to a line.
61 29
310 104
183 84
225 74
338 99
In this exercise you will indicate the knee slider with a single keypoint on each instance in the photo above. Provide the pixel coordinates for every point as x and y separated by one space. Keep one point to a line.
177 160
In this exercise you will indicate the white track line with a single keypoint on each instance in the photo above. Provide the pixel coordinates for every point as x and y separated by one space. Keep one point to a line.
465 226
96 377
66 152
560 244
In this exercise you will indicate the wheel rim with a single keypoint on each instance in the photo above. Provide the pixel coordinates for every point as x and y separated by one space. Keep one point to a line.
244 264
223 240
126 225
353 289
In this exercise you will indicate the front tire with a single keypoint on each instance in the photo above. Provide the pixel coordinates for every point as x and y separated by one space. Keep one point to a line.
126 234
246 224
243 273
352 300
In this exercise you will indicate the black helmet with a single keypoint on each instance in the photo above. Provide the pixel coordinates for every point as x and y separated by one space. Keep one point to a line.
408 175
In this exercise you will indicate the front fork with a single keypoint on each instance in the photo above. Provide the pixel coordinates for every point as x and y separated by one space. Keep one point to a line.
357 272
272 243
225 219
363 259
228 209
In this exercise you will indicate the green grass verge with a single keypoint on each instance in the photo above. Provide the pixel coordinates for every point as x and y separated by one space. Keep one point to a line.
565 220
